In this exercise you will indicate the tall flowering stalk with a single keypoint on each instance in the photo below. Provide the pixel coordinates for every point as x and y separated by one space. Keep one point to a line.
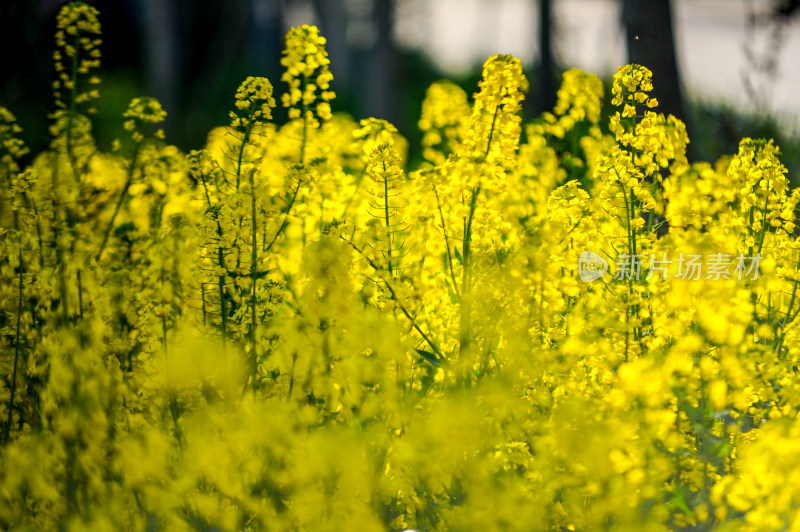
140 117
13 202
489 148
308 77
77 54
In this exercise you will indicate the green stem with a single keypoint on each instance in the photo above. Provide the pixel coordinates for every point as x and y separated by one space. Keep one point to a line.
630 309
32 205
387 220
491 131
163 317
763 224
447 244
80 294
203 301
399 303
60 263
73 106
787 319
305 122
253 274
175 414
118 206
465 325
17 346
221 262
285 221
240 156
222 310
466 278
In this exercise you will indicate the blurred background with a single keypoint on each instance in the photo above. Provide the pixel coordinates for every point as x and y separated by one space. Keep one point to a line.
729 68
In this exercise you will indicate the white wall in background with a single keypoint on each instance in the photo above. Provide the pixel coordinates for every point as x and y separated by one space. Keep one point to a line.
710 35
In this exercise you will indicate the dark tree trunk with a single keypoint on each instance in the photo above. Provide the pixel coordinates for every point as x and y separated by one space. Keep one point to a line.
265 40
161 53
545 84
651 43
382 65
332 16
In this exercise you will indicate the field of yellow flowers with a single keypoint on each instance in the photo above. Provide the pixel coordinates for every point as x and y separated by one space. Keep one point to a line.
552 325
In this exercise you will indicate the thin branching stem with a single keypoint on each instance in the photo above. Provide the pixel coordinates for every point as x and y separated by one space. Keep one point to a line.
17 334
254 275
447 244
120 200
399 303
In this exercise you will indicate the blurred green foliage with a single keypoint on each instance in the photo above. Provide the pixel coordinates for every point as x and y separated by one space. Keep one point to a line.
717 125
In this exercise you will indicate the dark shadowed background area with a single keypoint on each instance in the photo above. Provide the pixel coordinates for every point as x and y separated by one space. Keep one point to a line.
384 53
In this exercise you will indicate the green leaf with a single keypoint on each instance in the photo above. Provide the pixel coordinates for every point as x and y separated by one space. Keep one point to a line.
429 357
458 255
679 499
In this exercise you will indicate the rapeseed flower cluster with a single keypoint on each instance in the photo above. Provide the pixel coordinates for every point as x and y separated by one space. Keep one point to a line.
443 120
307 74
77 54
289 328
